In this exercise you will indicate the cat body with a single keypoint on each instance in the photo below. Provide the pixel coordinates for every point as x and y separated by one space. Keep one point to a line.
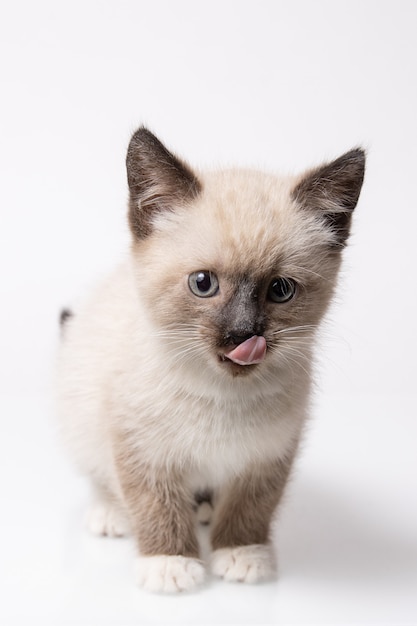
187 371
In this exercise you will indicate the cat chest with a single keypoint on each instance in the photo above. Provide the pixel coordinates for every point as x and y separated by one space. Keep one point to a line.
238 443
214 442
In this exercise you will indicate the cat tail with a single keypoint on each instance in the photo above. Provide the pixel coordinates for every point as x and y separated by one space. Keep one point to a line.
64 317
204 506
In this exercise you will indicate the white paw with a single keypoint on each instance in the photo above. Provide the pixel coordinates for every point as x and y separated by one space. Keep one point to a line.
169 574
104 518
247 564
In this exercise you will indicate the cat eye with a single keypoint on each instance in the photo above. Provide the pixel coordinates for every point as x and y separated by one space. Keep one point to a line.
282 290
203 284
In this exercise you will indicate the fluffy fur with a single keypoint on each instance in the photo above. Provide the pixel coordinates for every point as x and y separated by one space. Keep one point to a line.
152 408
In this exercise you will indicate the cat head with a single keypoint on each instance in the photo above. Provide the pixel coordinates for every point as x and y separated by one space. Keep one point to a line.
236 268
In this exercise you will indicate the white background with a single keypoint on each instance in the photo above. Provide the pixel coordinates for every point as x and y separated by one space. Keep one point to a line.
279 85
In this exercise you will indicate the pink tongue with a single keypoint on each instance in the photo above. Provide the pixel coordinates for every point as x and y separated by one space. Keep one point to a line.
251 351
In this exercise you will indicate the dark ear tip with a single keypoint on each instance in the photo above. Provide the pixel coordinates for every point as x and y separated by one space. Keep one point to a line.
356 156
142 142
142 136
357 152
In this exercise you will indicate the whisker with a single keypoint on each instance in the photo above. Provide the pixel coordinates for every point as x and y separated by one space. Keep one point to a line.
296 329
305 269
294 360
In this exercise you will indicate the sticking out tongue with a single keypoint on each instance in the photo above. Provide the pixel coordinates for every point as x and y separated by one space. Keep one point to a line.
249 352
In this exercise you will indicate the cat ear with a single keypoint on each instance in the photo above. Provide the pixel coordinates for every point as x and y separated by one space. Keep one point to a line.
158 181
332 190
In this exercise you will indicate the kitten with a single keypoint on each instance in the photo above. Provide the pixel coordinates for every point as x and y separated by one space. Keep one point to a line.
188 370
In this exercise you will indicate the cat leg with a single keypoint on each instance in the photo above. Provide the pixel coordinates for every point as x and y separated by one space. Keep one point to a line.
163 524
241 527
106 515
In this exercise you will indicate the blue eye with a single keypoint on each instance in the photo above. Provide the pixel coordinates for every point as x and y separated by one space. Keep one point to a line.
282 290
203 284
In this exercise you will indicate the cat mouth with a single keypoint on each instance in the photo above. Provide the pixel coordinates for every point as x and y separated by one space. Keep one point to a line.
245 355
233 369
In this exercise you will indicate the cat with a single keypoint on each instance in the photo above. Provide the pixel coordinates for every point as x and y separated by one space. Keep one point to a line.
186 375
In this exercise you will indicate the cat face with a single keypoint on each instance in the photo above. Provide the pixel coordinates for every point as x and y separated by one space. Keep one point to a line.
236 268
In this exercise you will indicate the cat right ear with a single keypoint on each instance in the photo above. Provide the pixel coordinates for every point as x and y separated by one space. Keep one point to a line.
332 191
158 181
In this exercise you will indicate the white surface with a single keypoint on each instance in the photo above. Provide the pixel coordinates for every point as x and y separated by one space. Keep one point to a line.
346 535
274 84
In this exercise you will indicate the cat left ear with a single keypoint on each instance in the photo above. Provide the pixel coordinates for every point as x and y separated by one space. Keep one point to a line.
158 181
333 190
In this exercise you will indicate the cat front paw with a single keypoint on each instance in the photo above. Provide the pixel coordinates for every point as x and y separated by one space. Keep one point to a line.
169 574
247 564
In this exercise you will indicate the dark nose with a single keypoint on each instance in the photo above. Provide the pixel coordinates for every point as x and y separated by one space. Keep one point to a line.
238 339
